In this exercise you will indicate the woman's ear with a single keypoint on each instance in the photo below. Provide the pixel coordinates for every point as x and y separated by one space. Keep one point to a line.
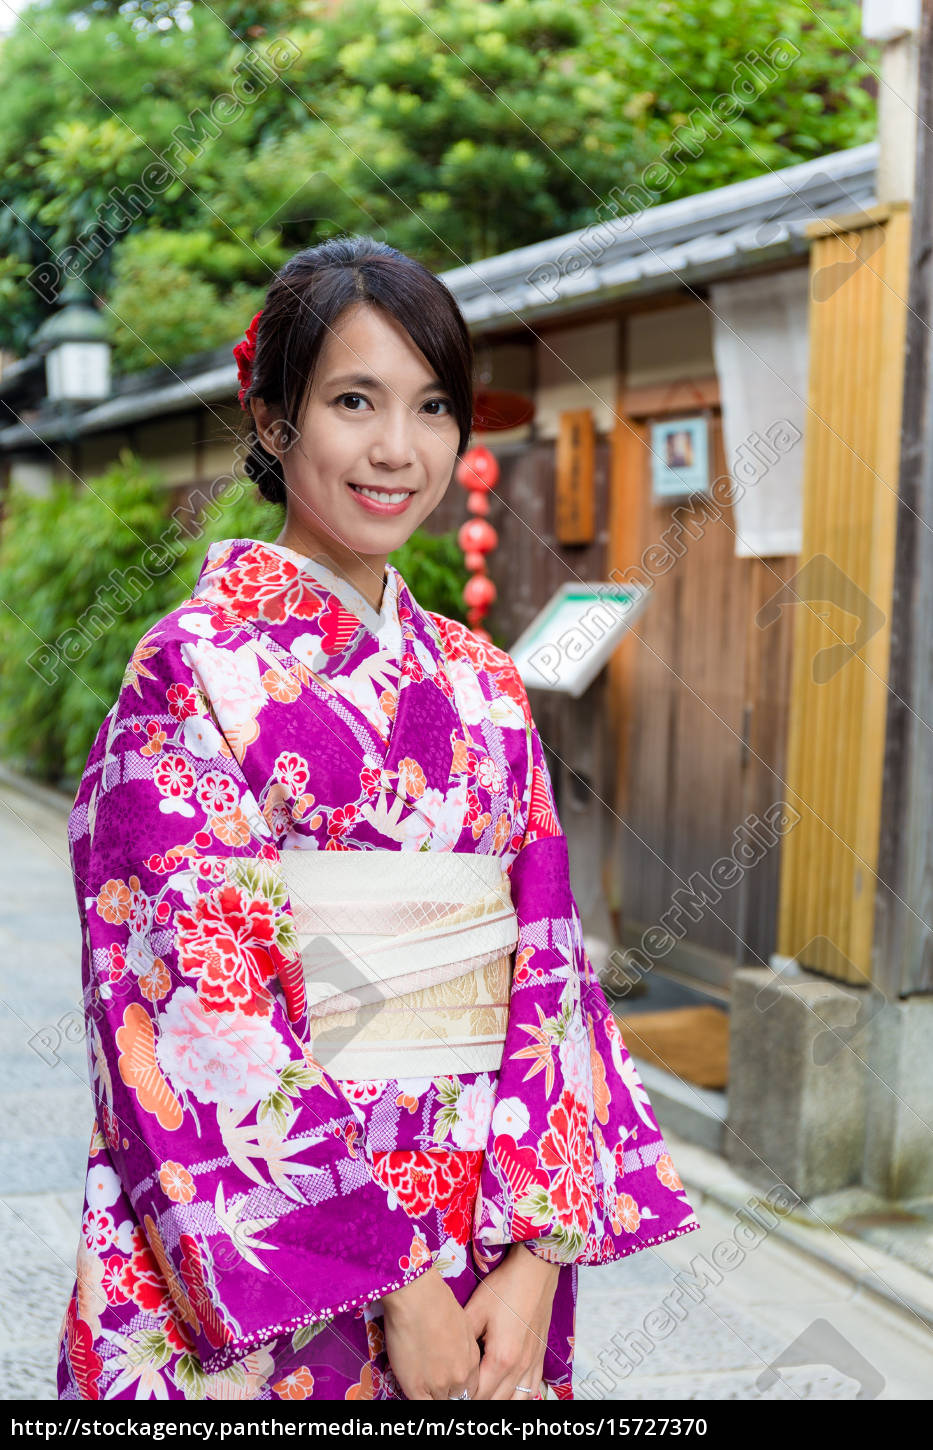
271 429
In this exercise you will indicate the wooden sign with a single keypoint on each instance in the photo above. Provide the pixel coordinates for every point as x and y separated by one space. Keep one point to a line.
569 641
576 484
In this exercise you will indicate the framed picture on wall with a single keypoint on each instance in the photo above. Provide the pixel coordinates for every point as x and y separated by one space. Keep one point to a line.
679 457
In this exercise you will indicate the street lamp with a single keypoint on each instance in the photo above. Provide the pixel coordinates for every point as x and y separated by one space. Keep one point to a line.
77 352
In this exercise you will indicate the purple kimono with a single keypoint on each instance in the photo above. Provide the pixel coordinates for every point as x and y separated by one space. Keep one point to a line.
244 1210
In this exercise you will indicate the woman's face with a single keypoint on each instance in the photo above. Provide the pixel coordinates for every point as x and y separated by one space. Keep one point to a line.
376 417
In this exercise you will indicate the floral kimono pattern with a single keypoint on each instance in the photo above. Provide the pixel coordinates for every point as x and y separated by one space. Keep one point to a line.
245 1211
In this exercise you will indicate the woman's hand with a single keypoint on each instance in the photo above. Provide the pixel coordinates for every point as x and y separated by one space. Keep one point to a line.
431 1347
510 1310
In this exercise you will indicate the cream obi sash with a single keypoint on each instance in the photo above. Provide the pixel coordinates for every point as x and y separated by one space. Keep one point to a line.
407 959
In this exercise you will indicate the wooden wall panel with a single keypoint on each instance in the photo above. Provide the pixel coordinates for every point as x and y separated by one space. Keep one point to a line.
836 740
692 682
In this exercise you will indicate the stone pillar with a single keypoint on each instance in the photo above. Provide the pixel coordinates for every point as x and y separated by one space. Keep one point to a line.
899 1126
798 1078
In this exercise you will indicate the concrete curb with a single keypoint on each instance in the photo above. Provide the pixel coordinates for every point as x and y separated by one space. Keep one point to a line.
870 1270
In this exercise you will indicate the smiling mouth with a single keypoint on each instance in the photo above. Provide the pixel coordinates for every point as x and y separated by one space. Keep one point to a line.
383 495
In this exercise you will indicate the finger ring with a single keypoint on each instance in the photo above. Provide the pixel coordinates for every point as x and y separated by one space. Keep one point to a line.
464 1395
525 1389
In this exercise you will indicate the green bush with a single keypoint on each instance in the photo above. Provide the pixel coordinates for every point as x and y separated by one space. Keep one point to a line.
70 565
77 598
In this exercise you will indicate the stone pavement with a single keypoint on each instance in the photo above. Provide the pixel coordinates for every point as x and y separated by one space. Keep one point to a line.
804 1312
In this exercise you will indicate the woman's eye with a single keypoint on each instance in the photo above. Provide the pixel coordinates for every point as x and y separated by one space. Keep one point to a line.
358 396
433 402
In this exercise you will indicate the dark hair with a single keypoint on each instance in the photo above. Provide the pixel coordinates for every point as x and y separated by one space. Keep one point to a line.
305 299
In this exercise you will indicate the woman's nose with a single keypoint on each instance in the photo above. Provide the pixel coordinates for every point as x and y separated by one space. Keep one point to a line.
393 445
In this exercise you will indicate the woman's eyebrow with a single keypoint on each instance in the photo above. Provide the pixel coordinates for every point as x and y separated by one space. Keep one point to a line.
366 380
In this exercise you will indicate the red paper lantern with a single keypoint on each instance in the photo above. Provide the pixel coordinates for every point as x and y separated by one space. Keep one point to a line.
477 536
476 563
477 469
477 502
480 592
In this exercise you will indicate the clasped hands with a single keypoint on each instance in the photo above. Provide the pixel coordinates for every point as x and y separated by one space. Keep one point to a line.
433 1342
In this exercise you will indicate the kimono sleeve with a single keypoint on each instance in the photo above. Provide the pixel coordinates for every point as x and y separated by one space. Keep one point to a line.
237 1200
575 1165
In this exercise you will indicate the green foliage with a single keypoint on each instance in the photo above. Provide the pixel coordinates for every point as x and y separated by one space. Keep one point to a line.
675 59
449 128
71 562
239 513
170 300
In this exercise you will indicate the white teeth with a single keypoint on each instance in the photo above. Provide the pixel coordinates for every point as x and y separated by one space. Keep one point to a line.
380 495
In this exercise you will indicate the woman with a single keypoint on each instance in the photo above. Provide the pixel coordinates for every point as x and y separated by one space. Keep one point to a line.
362 1109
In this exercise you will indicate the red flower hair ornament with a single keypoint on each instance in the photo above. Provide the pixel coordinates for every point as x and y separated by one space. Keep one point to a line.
244 352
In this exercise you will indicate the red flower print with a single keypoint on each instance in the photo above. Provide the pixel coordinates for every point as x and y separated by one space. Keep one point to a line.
480 824
117 961
292 771
141 1279
98 1228
216 793
137 916
370 780
111 1280
443 682
177 1334
182 701
412 669
265 585
174 777
85 1362
567 1150
441 1178
228 942
460 1200
342 820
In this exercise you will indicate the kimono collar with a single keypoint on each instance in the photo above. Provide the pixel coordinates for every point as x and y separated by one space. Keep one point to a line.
289 594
